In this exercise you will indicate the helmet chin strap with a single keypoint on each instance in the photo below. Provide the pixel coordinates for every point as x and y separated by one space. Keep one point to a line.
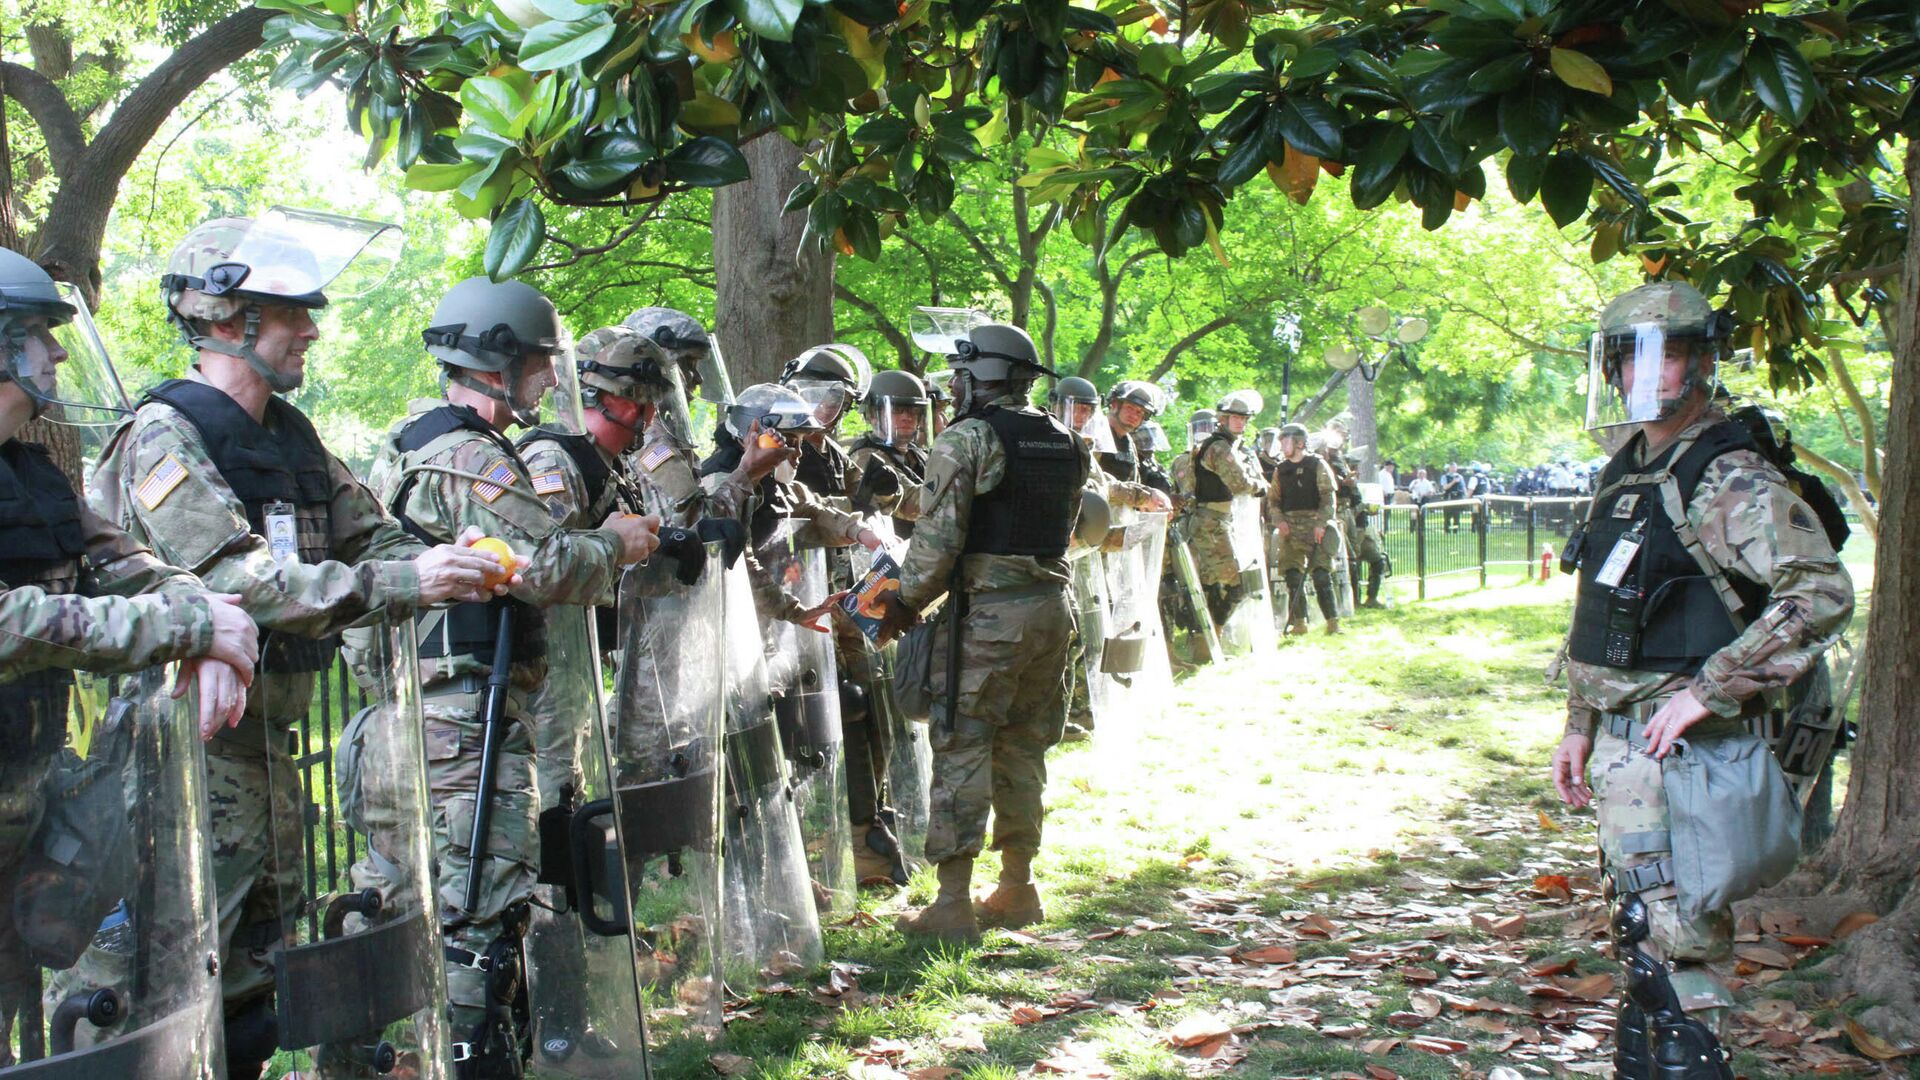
278 381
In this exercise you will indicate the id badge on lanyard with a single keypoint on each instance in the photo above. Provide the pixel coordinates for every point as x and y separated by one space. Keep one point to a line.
1621 557
283 532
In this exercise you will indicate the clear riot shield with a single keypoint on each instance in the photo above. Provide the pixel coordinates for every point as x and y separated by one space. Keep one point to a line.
1134 661
343 852
902 800
805 681
1248 628
1336 544
1090 609
911 771
583 985
669 714
773 925
1189 575
107 925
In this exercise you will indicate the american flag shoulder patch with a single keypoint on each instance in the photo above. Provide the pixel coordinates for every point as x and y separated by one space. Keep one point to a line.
159 484
498 479
656 456
548 483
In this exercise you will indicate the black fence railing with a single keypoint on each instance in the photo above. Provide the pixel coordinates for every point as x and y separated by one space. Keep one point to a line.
1441 548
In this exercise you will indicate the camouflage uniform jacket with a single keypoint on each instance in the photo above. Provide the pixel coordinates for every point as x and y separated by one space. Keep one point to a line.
1236 467
558 481
967 460
813 522
1126 490
669 475
199 523
464 478
126 611
1752 525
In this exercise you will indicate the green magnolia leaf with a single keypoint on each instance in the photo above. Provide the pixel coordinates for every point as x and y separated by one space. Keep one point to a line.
598 175
566 10
1530 116
1524 172
1499 76
1310 124
557 44
1781 78
516 236
432 176
1247 158
801 196
1565 187
493 101
1714 59
771 19
1377 169
1580 71
706 162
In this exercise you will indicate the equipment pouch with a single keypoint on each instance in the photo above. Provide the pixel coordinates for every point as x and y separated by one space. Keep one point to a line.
83 858
1734 821
913 672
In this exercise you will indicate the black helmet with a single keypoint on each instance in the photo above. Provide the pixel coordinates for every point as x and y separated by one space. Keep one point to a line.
1135 392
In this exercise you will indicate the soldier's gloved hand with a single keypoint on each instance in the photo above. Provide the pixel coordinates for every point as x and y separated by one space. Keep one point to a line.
687 550
223 698
727 532
639 535
897 618
885 481
236 641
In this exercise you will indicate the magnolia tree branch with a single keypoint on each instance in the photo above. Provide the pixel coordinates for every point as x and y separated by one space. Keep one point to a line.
51 113
1869 516
908 356
1869 443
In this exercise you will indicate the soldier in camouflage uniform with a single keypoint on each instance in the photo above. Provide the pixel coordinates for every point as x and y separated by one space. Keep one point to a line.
1003 484
1302 504
210 467
1697 540
1223 467
76 592
445 468
669 467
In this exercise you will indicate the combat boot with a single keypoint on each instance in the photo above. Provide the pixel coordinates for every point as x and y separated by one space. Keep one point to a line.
1297 628
1333 626
876 855
950 916
1015 901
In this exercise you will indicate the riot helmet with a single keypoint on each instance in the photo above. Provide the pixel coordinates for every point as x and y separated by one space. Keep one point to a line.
1200 425
1131 403
616 365
1244 404
779 410
1297 433
1267 445
45 327
685 342
507 328
834 377
235 266
1643 333
994 359
1075 403
896 409
1152 438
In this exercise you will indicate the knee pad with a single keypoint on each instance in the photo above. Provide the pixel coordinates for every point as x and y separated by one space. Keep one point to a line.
252 1035
1295 580
1322 580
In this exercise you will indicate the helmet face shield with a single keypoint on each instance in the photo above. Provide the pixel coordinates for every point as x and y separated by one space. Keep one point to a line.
776 409
940 330
1199 427
1640 373
544 388
830 401
1152 438
298 253
58 358
899 421
1083 417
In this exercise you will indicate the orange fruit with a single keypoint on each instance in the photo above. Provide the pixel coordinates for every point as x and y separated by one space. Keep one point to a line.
498 548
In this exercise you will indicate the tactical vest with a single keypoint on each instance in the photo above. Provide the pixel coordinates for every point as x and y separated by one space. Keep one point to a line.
1296 481
1033 509
1123 463
285 464
468 629
41 545
1664 605
777 502
1207 485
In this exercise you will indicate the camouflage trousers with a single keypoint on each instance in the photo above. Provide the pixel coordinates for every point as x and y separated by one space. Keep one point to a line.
990 757
256 804
453 741
1298 550
1210 538
1631 804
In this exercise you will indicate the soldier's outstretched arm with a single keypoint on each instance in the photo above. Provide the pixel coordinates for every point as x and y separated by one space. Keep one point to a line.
1329 492
363 531
1752 524
955 471
159 483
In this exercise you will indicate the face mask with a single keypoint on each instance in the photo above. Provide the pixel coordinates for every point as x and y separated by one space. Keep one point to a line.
786 472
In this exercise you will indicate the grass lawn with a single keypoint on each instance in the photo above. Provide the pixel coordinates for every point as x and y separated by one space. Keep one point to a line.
1342 858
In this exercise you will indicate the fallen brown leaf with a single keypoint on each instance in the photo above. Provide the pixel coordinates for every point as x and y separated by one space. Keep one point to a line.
1873 1045
1427 1005
1804 941
1268 954
1587 987
1765 957
1852 924
1027 1014
1506 926
1550 968
1381 1072
1407 1021
1380 1047
1318 925
933 1072
731 1064
1434 1045
1197 1029
1546 822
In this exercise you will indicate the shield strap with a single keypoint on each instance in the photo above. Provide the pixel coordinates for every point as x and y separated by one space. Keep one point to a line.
352 986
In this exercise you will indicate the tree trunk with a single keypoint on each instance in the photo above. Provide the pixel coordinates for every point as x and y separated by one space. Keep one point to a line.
1876 843
769 304
1363 431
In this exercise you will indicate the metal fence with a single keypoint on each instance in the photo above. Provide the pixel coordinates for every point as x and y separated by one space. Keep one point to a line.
1442 548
